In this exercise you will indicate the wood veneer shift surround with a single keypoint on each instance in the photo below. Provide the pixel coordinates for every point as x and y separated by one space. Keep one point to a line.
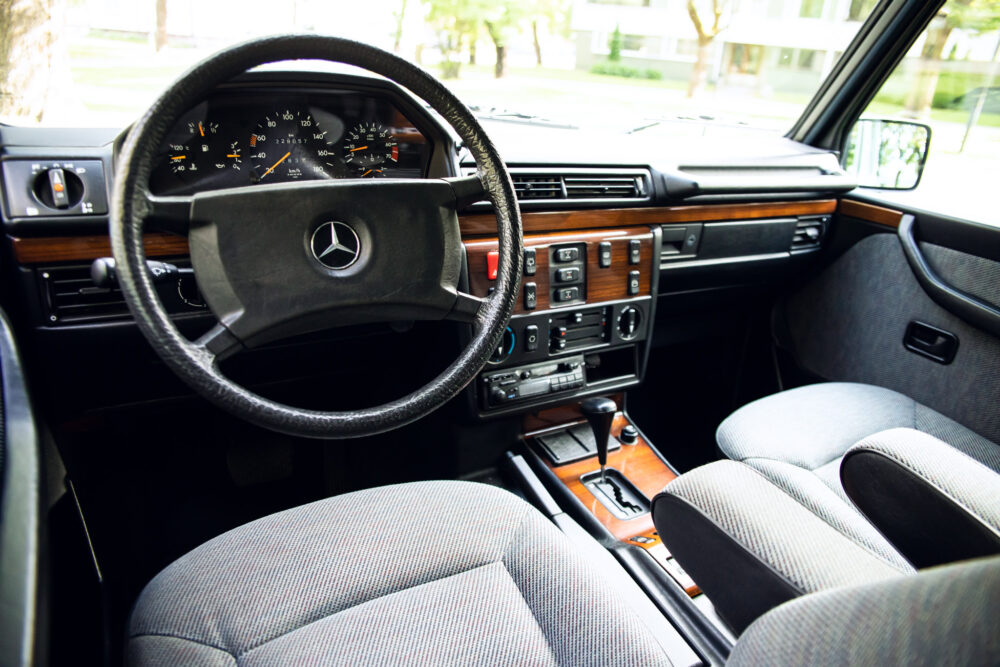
638 462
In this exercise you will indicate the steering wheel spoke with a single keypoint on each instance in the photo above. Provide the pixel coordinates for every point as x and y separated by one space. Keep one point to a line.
467 308
218 343
469 190
167 213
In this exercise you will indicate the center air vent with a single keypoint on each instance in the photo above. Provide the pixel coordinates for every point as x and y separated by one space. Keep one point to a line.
604 187
809 233
580 185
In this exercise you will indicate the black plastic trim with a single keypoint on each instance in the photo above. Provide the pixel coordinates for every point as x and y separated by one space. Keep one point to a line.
969 308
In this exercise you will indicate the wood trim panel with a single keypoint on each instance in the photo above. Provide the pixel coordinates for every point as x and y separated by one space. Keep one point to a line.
603 284
652 543
638 462
547 221
869 212
41 250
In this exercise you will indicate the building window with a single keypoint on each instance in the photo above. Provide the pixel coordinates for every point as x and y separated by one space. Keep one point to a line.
687 47
860 9
807 58
786 57
632 42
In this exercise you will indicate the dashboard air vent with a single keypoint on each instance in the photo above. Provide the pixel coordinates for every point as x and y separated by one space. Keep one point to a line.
808 233
71 295
528 186
604 187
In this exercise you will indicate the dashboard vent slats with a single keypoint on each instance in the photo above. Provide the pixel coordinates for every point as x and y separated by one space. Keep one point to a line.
578 185
808 233
71 295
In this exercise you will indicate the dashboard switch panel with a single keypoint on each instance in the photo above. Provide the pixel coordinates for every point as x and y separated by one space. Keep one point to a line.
567 274
54 188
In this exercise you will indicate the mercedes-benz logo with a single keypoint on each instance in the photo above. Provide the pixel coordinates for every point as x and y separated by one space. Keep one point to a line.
335 245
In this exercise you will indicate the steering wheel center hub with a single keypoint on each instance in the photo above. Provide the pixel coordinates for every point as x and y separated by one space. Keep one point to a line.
335 245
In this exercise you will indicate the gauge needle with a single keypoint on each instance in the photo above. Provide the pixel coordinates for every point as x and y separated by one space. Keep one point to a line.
179 157
359 148
237 155
200 129
283 157
366 173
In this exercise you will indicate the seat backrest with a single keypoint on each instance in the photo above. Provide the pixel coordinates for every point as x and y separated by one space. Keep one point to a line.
941 616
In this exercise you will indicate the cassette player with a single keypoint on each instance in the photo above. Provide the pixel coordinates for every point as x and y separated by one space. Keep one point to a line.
532 381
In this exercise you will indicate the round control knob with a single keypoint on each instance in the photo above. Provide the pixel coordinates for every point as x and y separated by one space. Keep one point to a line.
629 435
58 188
497 395
628 323
505 348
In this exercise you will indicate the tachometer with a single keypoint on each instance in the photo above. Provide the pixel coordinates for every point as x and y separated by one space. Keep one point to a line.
368 147
289 145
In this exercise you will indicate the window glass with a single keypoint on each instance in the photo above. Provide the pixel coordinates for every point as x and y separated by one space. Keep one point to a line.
949 80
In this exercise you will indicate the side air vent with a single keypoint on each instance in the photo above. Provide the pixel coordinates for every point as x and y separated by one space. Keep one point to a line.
70 295
809 233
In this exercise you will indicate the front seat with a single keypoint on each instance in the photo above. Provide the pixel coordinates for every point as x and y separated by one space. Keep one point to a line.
797 439
421 573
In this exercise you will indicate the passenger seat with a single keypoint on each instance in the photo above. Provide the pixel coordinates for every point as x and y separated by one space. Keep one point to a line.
798 438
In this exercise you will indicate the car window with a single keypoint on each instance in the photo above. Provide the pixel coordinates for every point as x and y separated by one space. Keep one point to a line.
949 80
649 64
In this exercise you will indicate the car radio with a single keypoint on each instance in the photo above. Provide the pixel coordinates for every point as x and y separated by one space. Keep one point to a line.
532 381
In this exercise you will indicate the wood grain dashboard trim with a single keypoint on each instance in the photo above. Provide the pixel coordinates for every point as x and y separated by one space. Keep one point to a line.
548 221
870 213
42 250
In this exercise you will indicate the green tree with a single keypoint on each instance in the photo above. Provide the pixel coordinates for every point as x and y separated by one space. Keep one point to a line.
454 22
551 15
399 15
707 32
976 16
502 20
615 45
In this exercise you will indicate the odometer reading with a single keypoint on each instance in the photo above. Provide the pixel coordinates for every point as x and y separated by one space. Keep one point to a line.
368 147
287 146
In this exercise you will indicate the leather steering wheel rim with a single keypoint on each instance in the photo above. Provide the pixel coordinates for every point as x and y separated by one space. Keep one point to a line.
195 362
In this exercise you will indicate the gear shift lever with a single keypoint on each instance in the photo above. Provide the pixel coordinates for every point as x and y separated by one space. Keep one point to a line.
600 412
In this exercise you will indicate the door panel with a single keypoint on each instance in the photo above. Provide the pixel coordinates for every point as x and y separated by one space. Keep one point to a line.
849 322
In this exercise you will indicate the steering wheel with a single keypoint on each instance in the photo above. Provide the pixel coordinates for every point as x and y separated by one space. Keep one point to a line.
286 258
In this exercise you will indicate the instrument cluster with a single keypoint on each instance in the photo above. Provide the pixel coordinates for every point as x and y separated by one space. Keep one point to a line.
239 138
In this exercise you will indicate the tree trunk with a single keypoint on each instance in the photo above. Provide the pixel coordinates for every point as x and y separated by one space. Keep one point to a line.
538 45
472 52
699 74
921 95
26 45
501 67
398 37
160 39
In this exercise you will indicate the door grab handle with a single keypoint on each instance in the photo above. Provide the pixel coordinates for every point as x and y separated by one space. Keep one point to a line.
969 308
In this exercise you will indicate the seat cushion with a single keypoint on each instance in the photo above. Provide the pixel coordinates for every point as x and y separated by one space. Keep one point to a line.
798 437
422 573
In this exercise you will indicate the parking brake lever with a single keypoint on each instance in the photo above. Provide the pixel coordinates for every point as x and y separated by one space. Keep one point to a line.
600 413
103 273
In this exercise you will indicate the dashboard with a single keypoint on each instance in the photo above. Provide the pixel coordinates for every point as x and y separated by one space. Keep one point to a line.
241 137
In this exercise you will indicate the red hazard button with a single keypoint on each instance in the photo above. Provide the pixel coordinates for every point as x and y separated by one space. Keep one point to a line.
492 264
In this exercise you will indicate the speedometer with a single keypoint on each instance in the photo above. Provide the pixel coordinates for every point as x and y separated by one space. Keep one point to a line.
289 145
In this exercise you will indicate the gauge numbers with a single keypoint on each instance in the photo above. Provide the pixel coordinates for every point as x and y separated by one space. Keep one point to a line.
287 146
367 147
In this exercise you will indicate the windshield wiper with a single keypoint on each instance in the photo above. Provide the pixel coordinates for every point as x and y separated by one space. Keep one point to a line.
518 117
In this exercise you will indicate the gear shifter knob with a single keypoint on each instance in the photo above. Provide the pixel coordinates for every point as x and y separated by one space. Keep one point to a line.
600 412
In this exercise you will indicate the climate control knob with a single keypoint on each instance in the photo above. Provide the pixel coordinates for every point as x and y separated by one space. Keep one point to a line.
505 347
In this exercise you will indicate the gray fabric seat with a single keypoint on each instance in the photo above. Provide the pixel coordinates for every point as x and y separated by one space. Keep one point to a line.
423 573
798 438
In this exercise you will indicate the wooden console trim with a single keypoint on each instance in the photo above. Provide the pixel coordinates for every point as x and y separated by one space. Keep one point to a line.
42 250
638 462
483 224
870 212
603 284
652 543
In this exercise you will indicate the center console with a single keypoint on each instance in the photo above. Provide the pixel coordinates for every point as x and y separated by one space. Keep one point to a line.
582 323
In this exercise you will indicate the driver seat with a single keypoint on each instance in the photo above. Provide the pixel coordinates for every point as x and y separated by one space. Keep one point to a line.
420 573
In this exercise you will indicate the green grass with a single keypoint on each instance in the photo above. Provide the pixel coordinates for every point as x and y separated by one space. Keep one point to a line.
880 108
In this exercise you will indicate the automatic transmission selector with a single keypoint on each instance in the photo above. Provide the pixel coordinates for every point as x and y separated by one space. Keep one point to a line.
600 412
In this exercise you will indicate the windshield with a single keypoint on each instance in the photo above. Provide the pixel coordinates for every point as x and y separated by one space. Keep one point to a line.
628 63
